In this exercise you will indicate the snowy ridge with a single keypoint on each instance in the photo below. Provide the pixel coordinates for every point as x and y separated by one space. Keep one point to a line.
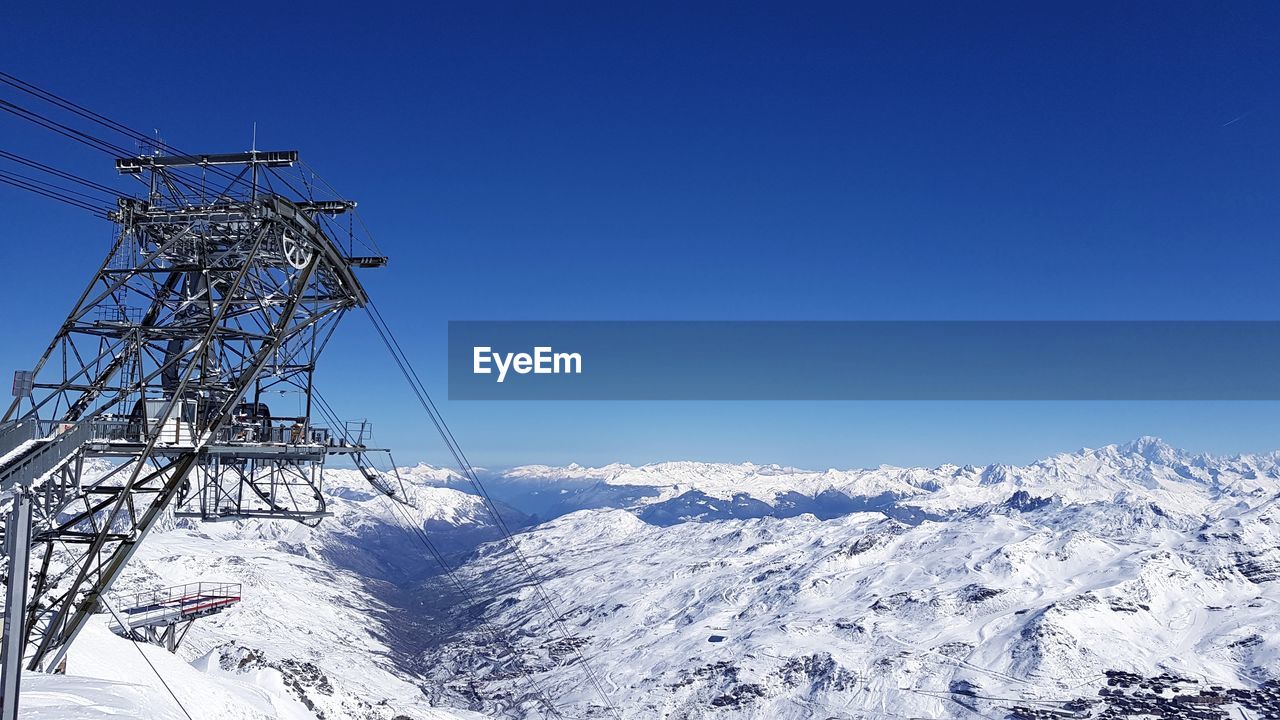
1145 470
1024 584
314 635
737 591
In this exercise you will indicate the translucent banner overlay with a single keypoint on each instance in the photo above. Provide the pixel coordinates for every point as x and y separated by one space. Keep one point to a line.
865 360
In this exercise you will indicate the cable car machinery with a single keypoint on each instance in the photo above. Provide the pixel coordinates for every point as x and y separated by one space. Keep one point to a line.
154 392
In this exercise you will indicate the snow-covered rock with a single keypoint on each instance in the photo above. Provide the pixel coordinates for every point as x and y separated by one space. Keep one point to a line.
696 590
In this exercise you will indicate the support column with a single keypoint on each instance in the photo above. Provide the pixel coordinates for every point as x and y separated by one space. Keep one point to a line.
18 547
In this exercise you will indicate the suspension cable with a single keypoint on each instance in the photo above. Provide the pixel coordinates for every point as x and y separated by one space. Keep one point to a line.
393 346
498 638
23 185
367 238
411 527
109 148
55 187
331 416
129 636
64 130
424 399
160 677
104 121
59 173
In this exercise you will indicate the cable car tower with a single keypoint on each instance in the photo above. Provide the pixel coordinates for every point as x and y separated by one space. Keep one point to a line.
162 388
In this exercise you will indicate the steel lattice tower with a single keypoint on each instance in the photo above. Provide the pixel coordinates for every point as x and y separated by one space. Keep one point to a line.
154 393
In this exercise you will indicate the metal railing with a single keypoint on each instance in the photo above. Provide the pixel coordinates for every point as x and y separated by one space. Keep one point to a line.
14 434
52 443
49 442
113 428
174 604
119 428
358 432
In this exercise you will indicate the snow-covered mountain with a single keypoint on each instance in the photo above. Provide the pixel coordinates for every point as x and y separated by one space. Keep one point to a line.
1145 470
321 625
1129 579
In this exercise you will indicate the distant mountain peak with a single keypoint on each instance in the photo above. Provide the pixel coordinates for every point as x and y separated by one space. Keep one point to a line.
1152 448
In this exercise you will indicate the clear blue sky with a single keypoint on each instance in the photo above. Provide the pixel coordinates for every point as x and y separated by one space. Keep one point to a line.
715 161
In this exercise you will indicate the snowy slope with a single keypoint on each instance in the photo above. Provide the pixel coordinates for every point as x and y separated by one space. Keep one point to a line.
315 633
770 617
108 677
1026 585
738 591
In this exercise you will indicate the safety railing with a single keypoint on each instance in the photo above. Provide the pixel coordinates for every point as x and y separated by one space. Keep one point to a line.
358 432
51 444
174 604
14 434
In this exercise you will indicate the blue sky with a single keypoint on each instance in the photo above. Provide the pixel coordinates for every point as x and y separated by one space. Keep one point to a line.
714 161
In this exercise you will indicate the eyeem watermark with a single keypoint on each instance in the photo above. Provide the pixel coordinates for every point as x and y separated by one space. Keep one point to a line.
866 360
543 361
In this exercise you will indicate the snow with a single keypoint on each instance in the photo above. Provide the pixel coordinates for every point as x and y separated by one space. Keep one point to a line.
107 678
19 450
1144 471
998 601
836 592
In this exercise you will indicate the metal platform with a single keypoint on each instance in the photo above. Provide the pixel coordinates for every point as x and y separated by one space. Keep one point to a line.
162 617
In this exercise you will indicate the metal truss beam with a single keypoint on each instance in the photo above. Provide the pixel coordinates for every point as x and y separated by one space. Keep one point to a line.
202 313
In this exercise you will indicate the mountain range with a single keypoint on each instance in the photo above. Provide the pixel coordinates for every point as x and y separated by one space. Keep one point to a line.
1130 580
